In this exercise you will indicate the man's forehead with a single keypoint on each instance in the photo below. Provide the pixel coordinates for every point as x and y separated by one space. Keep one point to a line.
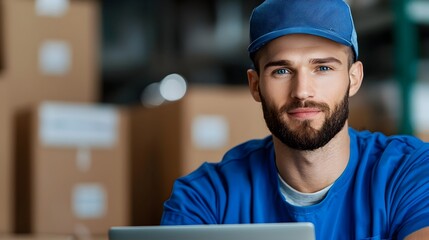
296 41
302 46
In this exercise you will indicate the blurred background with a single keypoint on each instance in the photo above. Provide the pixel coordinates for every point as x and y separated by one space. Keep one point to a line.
206 43
104 103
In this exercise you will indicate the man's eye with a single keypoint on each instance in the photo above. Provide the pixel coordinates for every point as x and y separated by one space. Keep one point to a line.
282 71
324 68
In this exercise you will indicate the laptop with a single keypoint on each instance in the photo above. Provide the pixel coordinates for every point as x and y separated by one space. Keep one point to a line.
261 231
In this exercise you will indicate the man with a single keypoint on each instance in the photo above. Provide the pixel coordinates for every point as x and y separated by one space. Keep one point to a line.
314 168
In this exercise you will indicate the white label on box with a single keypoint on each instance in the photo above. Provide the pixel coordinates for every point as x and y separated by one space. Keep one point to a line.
52 8
83 159
210 131
420 107
75 125
89 201
55 57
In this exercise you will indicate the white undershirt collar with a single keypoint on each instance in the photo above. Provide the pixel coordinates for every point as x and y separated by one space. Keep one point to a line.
297 198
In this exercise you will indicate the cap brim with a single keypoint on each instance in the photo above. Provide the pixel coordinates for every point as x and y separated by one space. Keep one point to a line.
264 39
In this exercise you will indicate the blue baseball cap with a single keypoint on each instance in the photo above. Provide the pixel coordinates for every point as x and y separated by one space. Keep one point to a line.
331 19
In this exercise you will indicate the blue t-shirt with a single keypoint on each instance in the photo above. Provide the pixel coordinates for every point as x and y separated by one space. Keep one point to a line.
382 194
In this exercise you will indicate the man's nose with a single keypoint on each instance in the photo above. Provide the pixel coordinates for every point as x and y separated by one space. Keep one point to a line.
302 86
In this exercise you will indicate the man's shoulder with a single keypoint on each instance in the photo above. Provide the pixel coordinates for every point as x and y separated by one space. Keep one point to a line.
379 139
248 149
252 158
381 146
238 159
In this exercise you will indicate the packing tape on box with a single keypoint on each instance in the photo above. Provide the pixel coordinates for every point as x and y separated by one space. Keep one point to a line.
83 159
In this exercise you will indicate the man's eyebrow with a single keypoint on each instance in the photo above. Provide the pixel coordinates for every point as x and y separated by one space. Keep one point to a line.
277 64
325 60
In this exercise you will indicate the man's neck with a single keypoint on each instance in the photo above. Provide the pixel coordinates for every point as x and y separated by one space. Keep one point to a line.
311 171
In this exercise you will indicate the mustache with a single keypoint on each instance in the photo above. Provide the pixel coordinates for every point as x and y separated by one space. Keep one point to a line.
305 104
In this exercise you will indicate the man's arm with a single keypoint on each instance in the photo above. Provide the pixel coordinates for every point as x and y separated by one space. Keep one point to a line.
418 235
193 199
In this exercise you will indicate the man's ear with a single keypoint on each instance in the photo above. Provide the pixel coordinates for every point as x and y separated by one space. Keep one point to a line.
253 80
356 77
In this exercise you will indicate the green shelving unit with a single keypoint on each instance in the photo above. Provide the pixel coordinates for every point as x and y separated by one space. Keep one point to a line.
408 14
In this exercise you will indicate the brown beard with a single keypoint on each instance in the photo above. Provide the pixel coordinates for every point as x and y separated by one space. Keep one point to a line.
305 137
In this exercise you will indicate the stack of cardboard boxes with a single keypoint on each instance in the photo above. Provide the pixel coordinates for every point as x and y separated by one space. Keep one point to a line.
175 138
51 50
76 170
70 166
49 53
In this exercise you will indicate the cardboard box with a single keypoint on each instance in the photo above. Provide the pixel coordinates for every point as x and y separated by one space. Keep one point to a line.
1 37
175 138
424 136
35 237
74 177
374 108
6 190
51 50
